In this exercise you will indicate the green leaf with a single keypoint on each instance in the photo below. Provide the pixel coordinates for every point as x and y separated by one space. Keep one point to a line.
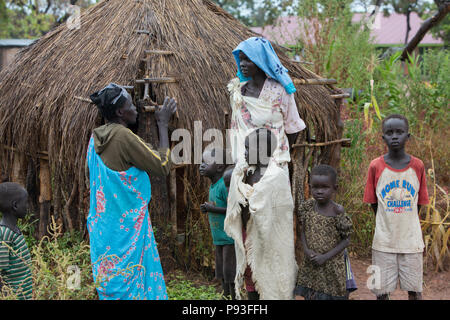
375 106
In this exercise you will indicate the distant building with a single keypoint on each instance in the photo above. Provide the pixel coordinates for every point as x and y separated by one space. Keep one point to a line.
9 47
389 31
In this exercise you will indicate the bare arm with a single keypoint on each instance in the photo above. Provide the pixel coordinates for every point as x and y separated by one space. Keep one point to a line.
374 207
227 177
291 138
218 210
322 258
308 253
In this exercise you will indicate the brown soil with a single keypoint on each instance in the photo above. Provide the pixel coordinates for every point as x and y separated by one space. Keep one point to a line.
436 284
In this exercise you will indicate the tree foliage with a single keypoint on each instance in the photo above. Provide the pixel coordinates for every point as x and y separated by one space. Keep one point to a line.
256 13
31 19
442 30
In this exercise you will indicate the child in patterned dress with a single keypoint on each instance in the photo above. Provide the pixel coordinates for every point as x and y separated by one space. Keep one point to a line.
325 233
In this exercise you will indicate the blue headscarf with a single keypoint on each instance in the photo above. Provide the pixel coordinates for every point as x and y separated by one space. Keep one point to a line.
261 53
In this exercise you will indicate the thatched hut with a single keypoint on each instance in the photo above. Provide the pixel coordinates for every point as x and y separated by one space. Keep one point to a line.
157 48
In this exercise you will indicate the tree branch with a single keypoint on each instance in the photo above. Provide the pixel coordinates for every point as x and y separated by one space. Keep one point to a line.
377 5
443 10
49 4
408 23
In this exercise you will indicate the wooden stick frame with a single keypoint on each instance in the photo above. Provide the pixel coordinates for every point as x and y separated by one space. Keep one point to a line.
344 142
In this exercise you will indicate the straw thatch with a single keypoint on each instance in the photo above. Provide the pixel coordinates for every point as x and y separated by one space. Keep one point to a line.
41 117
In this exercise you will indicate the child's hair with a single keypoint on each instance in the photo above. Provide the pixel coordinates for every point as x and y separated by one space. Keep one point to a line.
224 154
395 116
325 170
211 155
9 191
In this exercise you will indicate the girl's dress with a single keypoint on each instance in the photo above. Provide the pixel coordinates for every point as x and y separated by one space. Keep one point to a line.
323 233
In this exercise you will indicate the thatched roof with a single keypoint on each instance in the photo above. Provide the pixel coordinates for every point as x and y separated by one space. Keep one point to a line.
38 108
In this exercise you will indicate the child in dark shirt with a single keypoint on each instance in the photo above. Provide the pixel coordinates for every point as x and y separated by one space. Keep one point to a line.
213 167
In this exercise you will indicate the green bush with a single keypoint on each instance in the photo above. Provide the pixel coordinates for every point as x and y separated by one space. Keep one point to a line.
418 89
54 260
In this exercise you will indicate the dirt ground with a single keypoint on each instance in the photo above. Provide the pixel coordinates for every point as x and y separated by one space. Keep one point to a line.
436 284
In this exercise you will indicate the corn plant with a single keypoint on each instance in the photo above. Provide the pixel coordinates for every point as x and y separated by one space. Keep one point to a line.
435 225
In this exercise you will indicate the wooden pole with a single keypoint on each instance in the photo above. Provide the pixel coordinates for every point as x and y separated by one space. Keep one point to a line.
69 201
173 201
314 81
150 109
45 196
335 151
340 96
40 154
302 62
345 142
157 80
18 169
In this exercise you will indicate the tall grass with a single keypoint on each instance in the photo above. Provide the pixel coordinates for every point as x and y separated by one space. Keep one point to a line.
435 223
337 47
419 90
58 257
58 261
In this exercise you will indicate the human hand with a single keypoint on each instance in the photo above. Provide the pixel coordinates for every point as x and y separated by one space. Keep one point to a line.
309 253
164 113
206 207
319 259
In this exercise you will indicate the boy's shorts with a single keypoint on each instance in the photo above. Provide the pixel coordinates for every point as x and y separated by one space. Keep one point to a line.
406 267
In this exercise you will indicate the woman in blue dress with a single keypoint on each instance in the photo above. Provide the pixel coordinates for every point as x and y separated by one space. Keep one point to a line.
125 259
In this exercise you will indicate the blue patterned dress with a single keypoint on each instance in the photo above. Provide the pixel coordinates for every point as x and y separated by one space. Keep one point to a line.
125 259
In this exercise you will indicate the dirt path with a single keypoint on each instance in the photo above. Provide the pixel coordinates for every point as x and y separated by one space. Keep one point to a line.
436 285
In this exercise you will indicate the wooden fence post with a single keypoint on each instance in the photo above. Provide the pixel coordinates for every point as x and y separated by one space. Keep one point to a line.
45 196
19 169
173 201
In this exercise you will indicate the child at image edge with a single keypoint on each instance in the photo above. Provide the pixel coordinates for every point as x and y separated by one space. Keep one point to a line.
396 188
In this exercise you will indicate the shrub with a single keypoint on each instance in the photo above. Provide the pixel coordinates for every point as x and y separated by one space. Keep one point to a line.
58 260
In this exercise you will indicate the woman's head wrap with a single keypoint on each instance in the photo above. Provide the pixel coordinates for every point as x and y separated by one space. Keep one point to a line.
109 99
261 53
